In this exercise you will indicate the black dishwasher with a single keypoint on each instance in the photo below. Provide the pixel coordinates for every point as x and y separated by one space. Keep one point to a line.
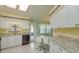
25 39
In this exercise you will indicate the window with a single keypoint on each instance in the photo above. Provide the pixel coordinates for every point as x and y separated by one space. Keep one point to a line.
11 6
32 29
48 29
45 29
42 29
23 7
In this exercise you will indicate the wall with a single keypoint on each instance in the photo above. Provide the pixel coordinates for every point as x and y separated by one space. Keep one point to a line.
68 16
65 19
6 23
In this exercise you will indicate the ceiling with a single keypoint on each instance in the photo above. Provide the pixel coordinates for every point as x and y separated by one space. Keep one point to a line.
38 13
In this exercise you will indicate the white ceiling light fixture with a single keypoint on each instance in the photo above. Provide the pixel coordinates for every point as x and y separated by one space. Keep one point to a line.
11 6
23 7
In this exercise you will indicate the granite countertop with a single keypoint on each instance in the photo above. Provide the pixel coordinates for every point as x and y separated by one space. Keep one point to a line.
11 35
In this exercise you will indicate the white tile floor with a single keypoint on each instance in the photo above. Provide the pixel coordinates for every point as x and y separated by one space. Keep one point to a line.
20 49
29 48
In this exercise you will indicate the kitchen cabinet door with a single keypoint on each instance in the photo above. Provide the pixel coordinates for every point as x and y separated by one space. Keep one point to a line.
11 41
14 41
18 40
4 42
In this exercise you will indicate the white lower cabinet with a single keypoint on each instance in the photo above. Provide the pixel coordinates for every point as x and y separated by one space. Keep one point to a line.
18 40
55 48
11 41
4 42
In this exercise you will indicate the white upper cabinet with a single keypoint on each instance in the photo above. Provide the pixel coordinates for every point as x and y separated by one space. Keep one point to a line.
3 22
8 22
